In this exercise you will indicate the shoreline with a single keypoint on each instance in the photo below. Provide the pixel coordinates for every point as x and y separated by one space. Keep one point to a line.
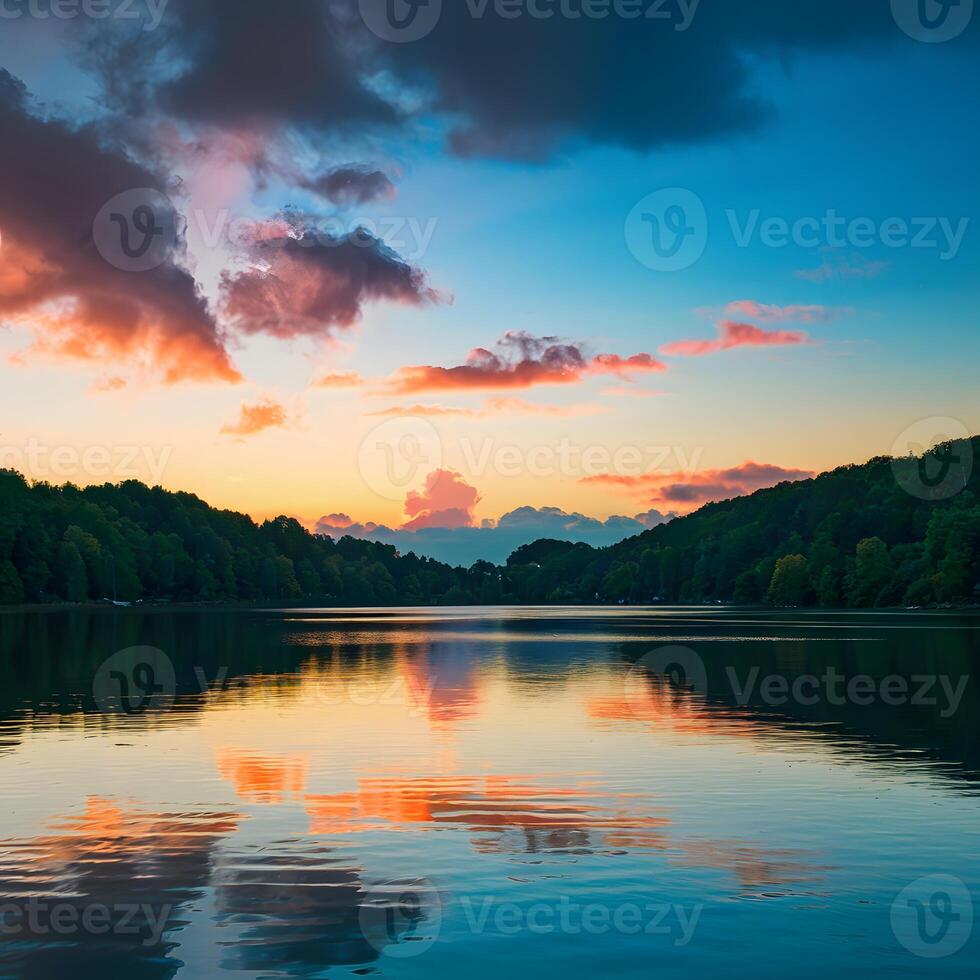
251 606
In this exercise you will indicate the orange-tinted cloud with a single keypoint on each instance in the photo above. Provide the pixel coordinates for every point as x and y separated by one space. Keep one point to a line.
446 502
734 334
114 383
428 411
338 379
688 491
625 366
336 520
520 361
495 407
54 181
253 419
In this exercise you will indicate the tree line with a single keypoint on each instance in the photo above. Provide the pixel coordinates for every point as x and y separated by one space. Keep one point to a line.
855 537
132 542
886 533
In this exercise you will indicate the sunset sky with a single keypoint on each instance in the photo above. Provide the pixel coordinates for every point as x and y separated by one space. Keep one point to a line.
439 253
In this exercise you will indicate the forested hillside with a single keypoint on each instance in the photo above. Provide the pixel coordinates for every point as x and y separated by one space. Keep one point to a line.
134 542
853 537
856 536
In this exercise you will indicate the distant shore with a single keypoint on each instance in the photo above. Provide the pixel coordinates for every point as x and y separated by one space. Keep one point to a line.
254 605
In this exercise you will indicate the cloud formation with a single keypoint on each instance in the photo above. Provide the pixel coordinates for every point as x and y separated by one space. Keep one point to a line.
441 524
843 267
770 313
523 86
688 491
262 67
352 184
308 283
447 501
732 334
495 407
337 379
252 419
520 360
511 85
496 541
54 181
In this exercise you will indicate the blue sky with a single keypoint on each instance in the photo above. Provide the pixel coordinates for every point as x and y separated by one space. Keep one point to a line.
525 231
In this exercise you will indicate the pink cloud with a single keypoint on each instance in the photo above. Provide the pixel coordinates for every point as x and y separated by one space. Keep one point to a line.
770 313
688 491
447 501
520 361
336 520
306 283
734 334
625 366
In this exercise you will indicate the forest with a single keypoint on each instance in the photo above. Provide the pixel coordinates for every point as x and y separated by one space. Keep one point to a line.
885 533
870 535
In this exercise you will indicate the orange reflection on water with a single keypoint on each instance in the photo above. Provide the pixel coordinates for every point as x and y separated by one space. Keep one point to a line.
107 827
112 849
261 777
669 709
488 804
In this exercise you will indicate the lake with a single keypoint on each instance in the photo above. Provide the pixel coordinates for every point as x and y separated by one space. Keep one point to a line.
429 793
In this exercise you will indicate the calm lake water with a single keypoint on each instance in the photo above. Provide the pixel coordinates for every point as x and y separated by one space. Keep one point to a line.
483 792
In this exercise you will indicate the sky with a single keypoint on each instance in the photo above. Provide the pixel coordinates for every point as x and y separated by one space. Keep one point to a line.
486 271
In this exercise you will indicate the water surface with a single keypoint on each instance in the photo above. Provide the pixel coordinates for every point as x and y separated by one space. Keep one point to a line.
437 793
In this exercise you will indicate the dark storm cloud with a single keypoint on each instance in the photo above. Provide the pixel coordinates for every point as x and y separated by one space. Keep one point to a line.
54 181
513 87
352 185
523 85
306 282
256 62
